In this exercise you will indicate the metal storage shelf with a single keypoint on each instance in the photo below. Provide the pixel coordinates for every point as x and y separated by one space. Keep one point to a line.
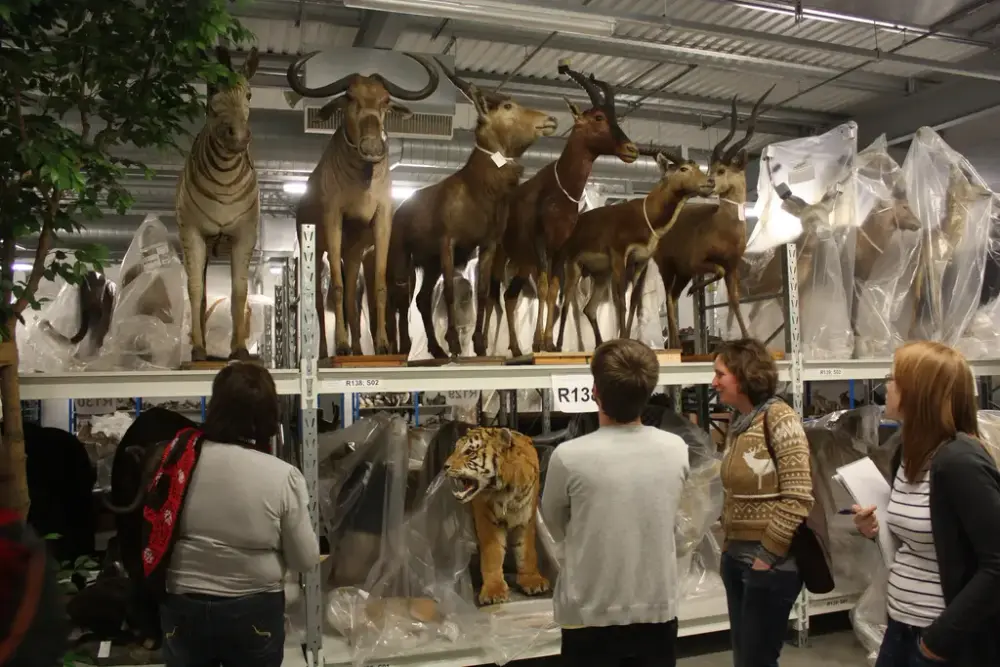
875 369
475 376
131 384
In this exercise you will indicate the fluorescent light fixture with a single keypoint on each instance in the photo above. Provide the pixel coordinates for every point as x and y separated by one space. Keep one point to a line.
275 270
401 192
530 17
21 266
294 187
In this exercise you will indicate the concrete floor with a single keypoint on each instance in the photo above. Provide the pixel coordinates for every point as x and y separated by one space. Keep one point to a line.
832 644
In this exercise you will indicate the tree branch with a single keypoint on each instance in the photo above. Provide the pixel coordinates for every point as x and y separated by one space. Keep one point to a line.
41 251
20 114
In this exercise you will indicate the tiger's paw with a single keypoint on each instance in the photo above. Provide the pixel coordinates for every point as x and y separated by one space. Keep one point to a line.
533 584
494 591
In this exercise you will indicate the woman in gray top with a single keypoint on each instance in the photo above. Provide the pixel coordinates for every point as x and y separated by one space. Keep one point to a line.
245 522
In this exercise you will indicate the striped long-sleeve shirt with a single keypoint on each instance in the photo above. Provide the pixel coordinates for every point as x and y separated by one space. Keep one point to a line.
915 596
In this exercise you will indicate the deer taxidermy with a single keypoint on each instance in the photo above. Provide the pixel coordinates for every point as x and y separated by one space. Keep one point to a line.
708 240
439 227
606 239
545 208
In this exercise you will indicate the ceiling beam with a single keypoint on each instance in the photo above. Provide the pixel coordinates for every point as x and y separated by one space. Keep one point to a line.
954 102
380 30
702 103
663 23
640 49
611 46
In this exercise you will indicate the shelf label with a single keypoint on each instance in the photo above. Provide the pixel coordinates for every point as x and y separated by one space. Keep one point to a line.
356 385
573 393
462 398
94 406
831 372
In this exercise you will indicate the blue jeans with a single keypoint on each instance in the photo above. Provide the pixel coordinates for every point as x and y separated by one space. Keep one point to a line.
207 631
900 648
760 603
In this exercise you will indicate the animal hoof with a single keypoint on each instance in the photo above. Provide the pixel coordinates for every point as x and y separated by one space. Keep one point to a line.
536 346
515 352
198 354
550 347
437 352
533 584
239 354
494 592
343 351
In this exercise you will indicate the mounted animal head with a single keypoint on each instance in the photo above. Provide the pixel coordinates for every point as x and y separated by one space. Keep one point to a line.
484 461
503 125
728 165
602 135
889 213
681 175
364 102
229 102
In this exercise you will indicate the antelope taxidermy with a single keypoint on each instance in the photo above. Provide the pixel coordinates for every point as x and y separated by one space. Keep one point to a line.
891 212
708 240
937 250
349 193
440 226
606 239
545 208
218 199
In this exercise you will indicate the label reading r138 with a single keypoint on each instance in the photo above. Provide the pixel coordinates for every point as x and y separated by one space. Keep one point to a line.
573 394
369 383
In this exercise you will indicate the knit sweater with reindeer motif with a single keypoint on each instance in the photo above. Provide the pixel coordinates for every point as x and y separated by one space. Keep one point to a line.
763 504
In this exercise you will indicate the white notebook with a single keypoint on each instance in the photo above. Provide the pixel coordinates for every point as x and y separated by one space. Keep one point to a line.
867 486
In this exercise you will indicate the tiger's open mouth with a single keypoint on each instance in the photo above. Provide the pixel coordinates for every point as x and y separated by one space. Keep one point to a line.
465 488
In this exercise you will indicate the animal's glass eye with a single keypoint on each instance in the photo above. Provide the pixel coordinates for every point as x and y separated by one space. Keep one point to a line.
599 118
508 106
249 95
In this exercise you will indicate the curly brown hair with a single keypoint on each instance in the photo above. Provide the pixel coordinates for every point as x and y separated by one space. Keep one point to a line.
753 366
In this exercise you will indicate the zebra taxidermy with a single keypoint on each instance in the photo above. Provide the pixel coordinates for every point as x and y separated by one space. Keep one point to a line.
218 198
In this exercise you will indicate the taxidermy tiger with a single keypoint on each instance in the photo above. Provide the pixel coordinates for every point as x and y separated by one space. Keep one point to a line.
495 470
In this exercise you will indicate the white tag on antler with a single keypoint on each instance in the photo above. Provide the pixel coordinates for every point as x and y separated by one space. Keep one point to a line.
498 159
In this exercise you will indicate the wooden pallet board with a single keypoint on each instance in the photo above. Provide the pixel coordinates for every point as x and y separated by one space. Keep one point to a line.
777 355
668 356
368 361
550 358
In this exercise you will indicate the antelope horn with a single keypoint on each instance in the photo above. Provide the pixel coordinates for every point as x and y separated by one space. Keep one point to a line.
653 151
415 95
589 85
751 123
492 97
721 146
329 90
609 96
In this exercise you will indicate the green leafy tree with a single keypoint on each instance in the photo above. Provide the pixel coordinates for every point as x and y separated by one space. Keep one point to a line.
78 80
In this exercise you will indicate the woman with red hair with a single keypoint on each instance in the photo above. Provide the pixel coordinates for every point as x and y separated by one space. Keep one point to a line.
944 582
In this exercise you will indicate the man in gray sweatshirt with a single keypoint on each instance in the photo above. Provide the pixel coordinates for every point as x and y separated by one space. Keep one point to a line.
611 498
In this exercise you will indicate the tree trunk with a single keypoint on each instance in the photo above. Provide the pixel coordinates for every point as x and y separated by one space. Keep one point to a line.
13 473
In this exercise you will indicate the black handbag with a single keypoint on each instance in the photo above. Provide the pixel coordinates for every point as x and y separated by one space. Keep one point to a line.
810 544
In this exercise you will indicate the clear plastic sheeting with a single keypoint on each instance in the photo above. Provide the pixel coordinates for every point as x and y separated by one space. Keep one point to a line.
806 195
989 429
148 323
219 324
954 206
834 441
402 573
883 250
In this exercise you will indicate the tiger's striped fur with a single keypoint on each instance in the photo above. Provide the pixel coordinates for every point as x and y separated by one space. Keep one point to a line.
496 471
218 201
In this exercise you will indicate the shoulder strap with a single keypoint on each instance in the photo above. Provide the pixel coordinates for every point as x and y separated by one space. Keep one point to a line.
767 438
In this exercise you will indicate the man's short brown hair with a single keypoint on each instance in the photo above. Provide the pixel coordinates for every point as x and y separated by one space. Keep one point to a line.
625 373
752 364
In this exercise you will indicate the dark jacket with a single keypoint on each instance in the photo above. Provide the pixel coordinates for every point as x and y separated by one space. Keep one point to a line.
965 520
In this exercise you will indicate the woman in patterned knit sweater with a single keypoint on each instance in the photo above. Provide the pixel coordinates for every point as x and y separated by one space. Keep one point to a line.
943 598
766 500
